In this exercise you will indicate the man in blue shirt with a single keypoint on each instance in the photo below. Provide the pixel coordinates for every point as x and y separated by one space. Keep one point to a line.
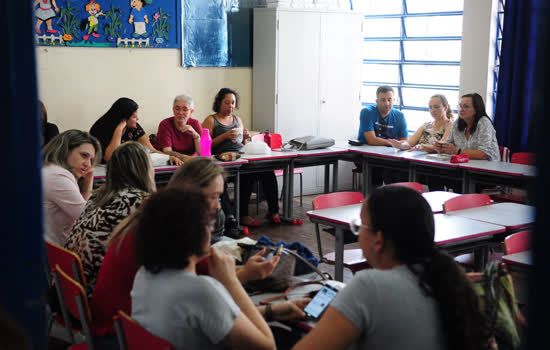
382 122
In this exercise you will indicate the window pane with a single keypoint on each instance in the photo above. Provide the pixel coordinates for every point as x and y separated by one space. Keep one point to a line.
377 7
382 27
421 97
445 50
433 26
368 94
431 75
386 73
426 6
416 118
381 50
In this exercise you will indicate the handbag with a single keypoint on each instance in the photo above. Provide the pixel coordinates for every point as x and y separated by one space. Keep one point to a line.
274 141
306 143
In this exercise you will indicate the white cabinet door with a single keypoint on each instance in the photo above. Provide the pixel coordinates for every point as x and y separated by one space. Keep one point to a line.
298 74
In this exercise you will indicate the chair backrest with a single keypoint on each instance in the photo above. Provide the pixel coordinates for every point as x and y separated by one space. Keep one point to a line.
467 201
517 242
504 154
414 185
259 137
337 199
67 261
132 336
73 301
527 158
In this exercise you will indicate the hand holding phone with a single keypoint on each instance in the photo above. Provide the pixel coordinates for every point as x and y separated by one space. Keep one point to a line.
320 302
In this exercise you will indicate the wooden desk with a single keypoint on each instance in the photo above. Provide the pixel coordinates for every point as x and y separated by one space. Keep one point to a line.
512 216
453 233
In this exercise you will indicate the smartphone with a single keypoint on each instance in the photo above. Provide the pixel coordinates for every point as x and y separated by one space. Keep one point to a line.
320 301
276 252
355 142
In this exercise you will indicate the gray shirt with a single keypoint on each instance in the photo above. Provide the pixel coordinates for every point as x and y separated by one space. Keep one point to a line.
189 311
390 311
483 139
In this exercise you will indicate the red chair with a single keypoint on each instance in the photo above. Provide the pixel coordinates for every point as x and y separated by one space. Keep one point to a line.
466 201
517 242
132 336
353 258
527 158
74 305
414 185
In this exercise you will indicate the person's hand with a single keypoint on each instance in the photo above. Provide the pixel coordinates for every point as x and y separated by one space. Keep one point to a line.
188 129
221 266
122 125
86 181
175 161
290 310
399 144
445 147
131 20
231 134
257 267
419 147
246 134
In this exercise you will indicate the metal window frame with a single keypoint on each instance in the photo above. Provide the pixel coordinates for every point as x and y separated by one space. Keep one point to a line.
498 46
402 61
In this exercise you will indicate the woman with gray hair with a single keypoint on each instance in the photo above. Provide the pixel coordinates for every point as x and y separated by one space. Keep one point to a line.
180 135
67 178
130 179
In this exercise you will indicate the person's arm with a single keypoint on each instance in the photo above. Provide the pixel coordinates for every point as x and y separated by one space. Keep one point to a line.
256 267
55 6
144 140
289 310
410 142
250 331
170 152
449 148
246 134
86 184
373 140
116 140
333 331
208 123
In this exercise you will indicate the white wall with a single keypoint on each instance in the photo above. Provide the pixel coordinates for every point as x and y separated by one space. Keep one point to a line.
79 84
478 49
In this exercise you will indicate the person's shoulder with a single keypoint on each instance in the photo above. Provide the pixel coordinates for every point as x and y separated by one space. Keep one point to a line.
208 120
193 122
485 121
166 121
398 114
54 169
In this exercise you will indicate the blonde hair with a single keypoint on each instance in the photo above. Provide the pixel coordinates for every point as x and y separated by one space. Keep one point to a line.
58 149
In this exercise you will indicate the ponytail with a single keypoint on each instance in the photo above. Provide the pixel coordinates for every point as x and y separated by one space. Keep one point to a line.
463 323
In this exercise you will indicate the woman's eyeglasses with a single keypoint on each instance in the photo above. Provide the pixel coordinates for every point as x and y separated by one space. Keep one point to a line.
355 226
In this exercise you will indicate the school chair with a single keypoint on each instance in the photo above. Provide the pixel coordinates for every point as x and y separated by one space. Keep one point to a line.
414 185
353 258
504 154
132 336
517 242
74 306
506 195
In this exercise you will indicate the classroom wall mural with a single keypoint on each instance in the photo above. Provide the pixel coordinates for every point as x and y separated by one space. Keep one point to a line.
108 23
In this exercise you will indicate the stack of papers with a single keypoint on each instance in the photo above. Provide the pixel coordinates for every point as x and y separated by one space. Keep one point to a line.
440 156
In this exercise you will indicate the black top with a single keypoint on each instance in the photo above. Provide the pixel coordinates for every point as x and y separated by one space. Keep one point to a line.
103 130
49 131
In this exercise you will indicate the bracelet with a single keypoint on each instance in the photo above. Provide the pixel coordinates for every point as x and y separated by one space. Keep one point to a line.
268 313
198 137
459 150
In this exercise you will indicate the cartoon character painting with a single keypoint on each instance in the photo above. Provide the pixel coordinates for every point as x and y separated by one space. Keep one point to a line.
94 10
45 13
138 16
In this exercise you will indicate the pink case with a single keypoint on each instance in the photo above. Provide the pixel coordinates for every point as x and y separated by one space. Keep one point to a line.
460 158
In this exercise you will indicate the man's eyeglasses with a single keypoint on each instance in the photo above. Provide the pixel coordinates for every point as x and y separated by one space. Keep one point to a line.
355 226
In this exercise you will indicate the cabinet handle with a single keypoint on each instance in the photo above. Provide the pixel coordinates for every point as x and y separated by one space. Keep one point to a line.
323 101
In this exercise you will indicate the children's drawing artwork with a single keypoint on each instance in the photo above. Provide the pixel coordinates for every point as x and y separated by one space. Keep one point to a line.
108 23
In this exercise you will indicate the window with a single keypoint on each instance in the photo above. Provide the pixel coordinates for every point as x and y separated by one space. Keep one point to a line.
500 22
413 46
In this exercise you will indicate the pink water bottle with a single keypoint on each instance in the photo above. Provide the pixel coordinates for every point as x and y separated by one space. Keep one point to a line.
206 143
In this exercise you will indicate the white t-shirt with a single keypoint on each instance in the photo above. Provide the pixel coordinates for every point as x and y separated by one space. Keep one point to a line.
62 203
189 311
391 311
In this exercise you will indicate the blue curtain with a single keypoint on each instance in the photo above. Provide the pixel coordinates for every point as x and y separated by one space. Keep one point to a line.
515 82
23 281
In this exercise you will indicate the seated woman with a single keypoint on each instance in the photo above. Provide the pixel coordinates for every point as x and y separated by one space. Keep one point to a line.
118 125
223 126
180 135
130 179
49 130
473 133
414 297
428 133
119 267
67 179
170 300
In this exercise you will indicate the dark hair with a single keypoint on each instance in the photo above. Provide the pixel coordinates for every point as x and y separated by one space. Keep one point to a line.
221 95
383 89
406 220
172 228
123 108
43 112
479 107
445 102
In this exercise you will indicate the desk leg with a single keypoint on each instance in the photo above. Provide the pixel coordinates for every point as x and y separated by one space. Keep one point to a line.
367 177
481 257
290 190
327 178
285 194
335 176
237 191
468 186
412 172
339 255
